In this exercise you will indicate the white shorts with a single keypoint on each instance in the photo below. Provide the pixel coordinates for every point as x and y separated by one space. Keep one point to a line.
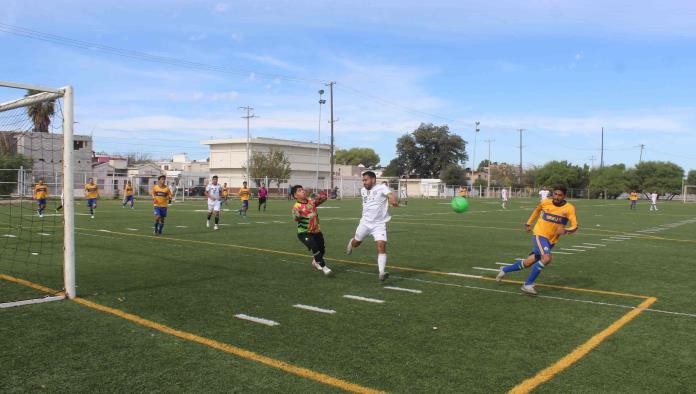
213 205
378 231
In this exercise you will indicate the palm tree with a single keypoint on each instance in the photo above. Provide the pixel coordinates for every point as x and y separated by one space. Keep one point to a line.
40 113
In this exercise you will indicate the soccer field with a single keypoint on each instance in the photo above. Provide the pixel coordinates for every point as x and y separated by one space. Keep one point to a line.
615 311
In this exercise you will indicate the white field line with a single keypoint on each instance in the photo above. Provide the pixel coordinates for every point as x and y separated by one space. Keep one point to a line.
30 302
314 308
574 250
44 234
358 298
485 269
613 240
403 289
433 282
104 231
10 236
464 275
257 320
261 222
131 229
504 264
586 243
557 252
583 246
181 226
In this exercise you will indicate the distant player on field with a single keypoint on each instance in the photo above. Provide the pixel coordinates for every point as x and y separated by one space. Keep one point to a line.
308 232
225 193
40 195
263 194
91 193
244 194
128 195
214 193
161 194
504 197
375 215
634 199
653 201
557 218
543 193
463 191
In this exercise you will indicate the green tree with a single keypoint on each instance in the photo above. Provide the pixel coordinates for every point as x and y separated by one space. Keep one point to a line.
611 181
504 174
562 172
660 176
273 164
453 175
392 169
8 179
429 149
40 113
356 156
482 165
691 178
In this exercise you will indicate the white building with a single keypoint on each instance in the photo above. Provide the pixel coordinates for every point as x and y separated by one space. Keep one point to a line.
228 158
185 172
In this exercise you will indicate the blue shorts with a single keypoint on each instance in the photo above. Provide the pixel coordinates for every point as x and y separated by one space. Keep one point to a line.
129 198
92 202
633 202
245 203
41 201
161 212
542 246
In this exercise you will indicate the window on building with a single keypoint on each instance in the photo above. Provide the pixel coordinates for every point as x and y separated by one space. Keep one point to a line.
77 145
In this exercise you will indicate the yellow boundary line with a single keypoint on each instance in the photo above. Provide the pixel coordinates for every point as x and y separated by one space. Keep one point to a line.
407 269
243 353
580 351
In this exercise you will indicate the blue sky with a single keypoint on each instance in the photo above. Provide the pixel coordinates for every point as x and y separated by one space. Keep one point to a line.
559 69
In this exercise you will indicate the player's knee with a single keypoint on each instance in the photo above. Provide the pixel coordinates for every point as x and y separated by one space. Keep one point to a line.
545 259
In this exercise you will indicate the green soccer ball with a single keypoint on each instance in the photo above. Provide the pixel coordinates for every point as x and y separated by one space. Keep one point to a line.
459 204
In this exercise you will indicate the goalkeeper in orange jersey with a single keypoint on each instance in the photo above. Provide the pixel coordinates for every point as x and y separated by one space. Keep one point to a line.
557 218
308 231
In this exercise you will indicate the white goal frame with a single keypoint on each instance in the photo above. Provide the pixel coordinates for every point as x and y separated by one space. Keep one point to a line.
66 93
685 192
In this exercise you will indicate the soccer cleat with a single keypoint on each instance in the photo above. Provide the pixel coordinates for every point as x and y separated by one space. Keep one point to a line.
327 271
383 276
349 248
207 223
529 289
40 215
316 265
500 275
216 227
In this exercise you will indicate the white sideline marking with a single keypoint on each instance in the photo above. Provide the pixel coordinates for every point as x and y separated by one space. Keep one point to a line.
30 302
257 320
131 229
278 221
314 308
574 250
242 223
353 297
104 231
485 269
44 234
585 243
10 236
620 237
614 240
561 252
225 224
503 264
403 289
181 226
34 254
261 222
464 275
583 246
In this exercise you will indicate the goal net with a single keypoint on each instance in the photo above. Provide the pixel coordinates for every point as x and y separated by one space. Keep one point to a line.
689 193
36 227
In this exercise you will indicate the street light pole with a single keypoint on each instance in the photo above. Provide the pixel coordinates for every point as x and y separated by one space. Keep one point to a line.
473 160
248 139
488 187
321 101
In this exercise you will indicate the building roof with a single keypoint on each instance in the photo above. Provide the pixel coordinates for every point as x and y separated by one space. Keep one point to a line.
266 141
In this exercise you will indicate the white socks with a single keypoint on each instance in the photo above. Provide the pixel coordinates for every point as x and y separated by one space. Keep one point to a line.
381 262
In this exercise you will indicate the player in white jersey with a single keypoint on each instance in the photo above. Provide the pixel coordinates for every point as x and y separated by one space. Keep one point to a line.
653 201
214 193
504 197
375 215
543 193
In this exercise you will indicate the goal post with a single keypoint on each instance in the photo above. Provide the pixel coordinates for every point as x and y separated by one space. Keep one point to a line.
34 241
689 193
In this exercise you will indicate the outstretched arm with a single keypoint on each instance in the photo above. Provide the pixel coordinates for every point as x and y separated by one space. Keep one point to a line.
392 200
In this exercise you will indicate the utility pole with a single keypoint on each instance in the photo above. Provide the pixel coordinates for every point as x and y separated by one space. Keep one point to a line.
332 121
473 164
601 156
488 187
248 117
641 146
321 101
521 130
592 159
